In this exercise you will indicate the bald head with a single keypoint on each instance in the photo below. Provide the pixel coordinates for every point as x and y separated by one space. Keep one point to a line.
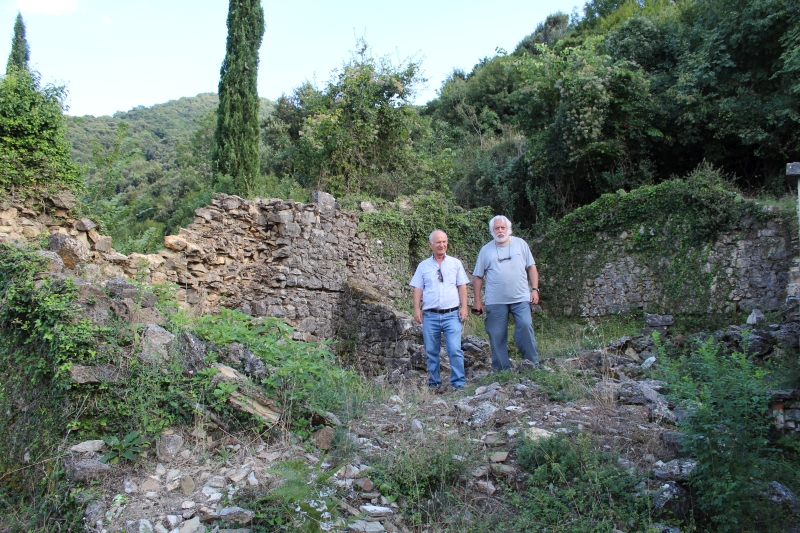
438 243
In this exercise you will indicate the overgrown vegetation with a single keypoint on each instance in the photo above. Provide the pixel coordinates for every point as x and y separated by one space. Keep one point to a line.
43 335
670 227
728 429
575 485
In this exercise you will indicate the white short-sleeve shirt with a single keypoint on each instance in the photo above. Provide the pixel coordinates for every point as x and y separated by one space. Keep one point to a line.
439 294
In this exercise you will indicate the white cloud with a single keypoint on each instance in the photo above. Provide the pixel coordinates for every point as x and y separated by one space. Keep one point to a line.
47 7
107 20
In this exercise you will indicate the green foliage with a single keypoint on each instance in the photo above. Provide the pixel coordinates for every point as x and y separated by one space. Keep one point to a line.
236 139
20 53
298 370
421 474
404 232
128 448
303 501
675 222
574 486
727 430
354 136
33 147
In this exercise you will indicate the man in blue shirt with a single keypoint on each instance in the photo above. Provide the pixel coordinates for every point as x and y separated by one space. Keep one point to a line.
507 264
440 305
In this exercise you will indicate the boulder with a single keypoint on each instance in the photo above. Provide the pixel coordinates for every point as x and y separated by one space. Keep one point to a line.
86 469
658 321
63 200
168 447
675 470
71 250
155 340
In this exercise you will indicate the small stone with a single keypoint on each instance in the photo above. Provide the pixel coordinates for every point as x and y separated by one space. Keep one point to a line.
323 438
648 362
252 480
129 487
150 484
159 528
236 515
188 504
416 425
89 446
364 483
84 224
161 469
187 485
499 457
174 520
362 526
145 526
239 475
216 482
376 511
535 434
486 487
87 469
191 526
481 471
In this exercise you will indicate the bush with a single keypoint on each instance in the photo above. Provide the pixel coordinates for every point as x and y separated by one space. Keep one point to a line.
34 150
727 430
422 475
573 486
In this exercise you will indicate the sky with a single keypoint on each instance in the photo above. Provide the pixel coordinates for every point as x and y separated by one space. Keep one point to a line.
114 55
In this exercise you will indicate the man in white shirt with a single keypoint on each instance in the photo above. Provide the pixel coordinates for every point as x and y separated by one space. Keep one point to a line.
507 265
440 305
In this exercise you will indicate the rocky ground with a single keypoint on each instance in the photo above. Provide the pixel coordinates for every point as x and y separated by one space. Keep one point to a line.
188 482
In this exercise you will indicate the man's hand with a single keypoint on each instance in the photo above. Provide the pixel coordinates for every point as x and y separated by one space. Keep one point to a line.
534 297
418 316
463 313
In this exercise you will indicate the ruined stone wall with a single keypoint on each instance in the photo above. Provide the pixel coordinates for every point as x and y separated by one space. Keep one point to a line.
741 271
299 262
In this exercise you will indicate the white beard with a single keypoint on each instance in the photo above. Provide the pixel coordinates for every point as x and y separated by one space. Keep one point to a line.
498 241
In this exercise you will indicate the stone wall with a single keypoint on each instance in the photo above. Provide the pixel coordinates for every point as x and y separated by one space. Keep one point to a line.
743 270
305 263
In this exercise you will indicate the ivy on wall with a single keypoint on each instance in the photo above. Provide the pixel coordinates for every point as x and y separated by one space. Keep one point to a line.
668 229
403 231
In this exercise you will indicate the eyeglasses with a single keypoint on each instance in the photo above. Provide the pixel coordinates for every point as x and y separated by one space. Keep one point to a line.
441 279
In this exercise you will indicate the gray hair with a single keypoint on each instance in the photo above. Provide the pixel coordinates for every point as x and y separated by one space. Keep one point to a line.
430 237
499 217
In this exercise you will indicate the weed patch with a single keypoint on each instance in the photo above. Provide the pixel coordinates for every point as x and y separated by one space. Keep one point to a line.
574 486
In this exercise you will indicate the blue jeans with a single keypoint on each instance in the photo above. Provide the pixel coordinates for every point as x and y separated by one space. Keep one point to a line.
434 325
497 328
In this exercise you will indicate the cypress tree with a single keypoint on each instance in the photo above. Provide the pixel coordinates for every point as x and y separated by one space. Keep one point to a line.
237 137
18 58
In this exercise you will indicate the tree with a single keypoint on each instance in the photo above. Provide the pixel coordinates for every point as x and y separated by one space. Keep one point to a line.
235 160
34 149
357 135
20 53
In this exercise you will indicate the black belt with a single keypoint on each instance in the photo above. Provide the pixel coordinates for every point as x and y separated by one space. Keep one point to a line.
440 311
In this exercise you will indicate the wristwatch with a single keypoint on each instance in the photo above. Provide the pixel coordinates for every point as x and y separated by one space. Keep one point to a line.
535 289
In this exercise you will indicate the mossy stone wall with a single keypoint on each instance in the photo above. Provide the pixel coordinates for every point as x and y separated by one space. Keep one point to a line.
686 246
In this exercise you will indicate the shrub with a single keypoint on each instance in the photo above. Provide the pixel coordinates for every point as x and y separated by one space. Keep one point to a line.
573 486
727 430
34 150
